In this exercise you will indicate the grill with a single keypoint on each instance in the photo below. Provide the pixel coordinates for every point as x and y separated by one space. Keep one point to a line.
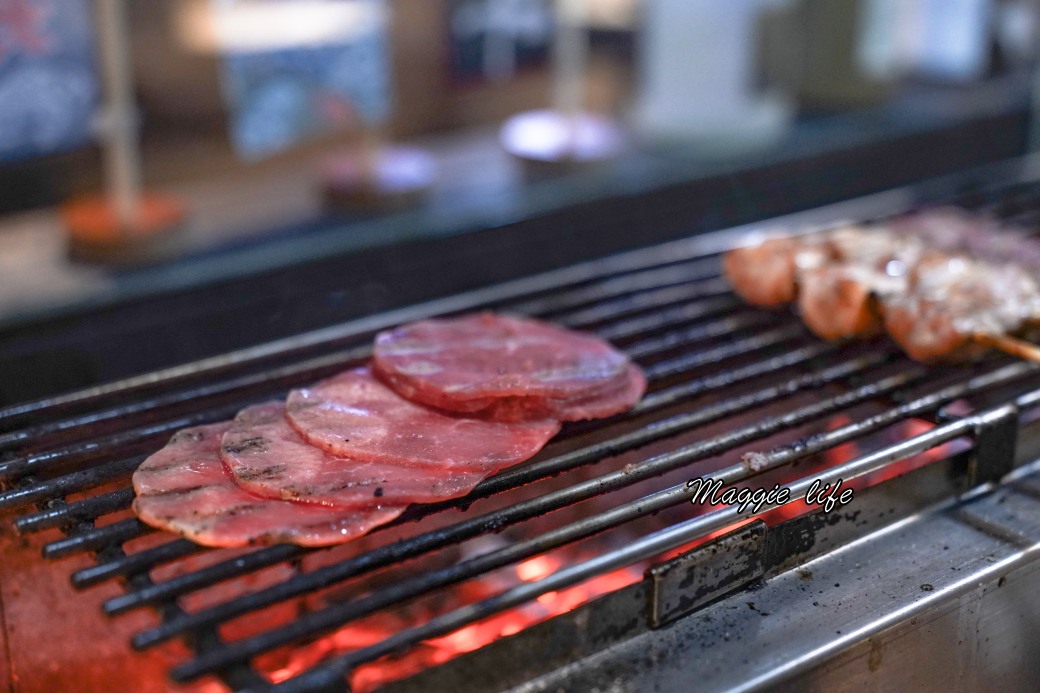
725 379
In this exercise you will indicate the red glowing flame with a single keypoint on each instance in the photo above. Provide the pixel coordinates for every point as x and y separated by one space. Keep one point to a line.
439 650
845 452
442 649
833 457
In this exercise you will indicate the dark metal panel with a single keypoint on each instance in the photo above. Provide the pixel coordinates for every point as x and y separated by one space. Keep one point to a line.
705 574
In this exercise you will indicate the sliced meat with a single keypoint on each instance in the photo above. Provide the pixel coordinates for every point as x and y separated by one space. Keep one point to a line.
185 489
354 415
266 456
616 397
502 367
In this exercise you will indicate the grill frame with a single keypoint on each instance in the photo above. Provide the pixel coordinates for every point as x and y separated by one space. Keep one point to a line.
294 361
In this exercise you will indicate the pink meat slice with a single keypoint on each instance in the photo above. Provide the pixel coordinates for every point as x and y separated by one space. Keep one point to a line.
185 489
505 367
267 457
619 397
354 415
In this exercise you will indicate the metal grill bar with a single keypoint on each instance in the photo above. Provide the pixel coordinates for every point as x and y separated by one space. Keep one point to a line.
70 483
675 315
97 538
501 482
696 333
692 388
149 435
134 441
209 368
333 672
327 619
757 342
143 561
635 303
82 510
511 479
612 481
658 277
277 378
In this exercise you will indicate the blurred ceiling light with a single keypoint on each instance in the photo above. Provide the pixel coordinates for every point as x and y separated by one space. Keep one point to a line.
212 26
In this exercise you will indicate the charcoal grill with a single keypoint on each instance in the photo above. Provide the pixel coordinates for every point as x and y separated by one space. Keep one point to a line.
943 550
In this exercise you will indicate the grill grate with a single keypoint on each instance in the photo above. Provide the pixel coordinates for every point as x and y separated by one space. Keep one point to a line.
711 362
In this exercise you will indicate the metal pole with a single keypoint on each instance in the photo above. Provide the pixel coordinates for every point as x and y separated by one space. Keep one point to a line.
570 55
122 157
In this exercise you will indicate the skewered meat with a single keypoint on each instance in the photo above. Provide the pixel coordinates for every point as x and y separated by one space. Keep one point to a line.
956 231
506 368
184 488
933 303
841 299
837 301
770 274
953 298
267 457
765 274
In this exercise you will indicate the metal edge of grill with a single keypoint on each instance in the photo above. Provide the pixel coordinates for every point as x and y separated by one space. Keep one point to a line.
662 304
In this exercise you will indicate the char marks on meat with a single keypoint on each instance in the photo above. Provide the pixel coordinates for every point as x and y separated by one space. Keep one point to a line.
268 457
354 415
506 368
466 398
184 488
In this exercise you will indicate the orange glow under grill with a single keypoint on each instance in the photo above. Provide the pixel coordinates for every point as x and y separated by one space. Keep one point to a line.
439 650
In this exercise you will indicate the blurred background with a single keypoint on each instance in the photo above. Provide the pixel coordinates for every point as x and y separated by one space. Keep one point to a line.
183 177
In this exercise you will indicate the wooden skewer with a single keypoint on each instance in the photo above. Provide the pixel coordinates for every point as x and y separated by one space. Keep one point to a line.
1010 345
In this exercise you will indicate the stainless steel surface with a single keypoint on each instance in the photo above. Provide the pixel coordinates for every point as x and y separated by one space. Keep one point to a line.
944 600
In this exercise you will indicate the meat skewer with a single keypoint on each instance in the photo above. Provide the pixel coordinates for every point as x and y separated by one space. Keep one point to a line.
936 305
956 231
766 274
835 278
844 298
955 303
1011 345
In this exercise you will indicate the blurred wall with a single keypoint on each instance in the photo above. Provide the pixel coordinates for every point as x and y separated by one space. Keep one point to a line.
180 89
